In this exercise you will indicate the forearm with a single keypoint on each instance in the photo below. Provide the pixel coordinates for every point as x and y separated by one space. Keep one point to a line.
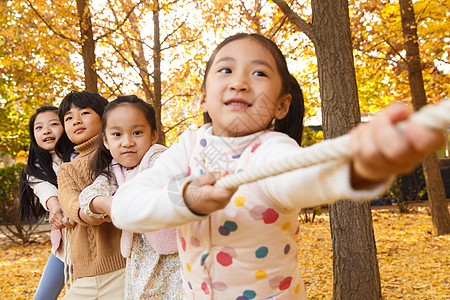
140 206
101 205
53 204
68 193
95 199
43 190
312 186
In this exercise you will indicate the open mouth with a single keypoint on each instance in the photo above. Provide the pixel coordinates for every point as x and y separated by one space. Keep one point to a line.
237 103
49 139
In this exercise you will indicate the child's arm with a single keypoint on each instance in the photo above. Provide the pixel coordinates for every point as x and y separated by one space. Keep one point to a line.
42 189
379 151
47 194
95 199
153 199
68 194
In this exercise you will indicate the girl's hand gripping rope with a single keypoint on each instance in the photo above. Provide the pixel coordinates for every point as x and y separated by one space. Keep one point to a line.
388 145
202 197
381 148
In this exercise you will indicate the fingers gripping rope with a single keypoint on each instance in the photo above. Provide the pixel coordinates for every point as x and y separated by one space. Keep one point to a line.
434 116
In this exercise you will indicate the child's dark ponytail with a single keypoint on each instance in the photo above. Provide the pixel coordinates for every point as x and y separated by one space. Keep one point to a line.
101 161
39 165
292 123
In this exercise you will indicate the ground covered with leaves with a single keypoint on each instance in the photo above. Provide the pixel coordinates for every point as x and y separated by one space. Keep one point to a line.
413 263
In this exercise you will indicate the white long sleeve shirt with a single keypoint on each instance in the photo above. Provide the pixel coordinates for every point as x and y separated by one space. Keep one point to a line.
248 248
43 189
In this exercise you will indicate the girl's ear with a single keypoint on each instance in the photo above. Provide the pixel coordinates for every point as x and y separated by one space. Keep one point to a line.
105 142
155 136
283 108
203 105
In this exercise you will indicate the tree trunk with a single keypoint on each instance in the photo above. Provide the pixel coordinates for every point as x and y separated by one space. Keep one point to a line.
157 73
435 187
87 45
141 62
355 265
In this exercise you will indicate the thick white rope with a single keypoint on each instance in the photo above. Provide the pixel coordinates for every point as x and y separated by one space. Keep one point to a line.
68 279
434 116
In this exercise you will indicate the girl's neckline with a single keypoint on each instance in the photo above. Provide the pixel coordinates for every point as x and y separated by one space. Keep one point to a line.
88 146
209 134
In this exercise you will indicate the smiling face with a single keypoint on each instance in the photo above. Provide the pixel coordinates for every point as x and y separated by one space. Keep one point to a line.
243 90
47 130
128 135
81 124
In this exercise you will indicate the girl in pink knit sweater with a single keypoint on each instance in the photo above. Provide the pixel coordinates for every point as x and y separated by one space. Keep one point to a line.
129 137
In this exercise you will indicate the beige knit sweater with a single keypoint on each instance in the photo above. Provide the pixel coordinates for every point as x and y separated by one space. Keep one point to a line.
95 250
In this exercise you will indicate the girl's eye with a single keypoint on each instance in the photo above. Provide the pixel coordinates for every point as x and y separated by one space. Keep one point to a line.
38 128
137 132
84 113
259 73
115 134
54 124
68 119
225 70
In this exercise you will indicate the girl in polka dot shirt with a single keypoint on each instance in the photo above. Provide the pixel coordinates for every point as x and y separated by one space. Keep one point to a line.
241 243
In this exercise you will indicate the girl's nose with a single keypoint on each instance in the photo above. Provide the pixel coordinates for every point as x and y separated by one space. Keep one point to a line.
47 130
127 141
239 83
76 121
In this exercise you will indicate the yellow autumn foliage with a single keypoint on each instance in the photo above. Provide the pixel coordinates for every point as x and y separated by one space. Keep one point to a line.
413 263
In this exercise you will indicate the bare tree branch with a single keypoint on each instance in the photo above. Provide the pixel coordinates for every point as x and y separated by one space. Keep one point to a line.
395 50
179 123
120 24
278 27
305 27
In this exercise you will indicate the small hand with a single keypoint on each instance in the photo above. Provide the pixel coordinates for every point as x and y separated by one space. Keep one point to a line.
202 197
380 149
92 220
56 213
56 219
68 223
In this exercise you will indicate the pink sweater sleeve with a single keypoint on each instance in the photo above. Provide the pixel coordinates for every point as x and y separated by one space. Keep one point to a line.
163 241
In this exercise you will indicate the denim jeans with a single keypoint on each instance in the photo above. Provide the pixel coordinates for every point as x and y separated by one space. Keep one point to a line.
52 280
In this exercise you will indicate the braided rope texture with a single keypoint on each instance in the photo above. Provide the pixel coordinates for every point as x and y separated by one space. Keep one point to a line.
435 116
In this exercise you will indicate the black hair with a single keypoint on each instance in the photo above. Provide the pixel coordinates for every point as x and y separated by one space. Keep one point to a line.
83 99
39 165
102 158
292 123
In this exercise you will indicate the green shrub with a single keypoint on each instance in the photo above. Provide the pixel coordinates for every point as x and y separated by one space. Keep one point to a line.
11 227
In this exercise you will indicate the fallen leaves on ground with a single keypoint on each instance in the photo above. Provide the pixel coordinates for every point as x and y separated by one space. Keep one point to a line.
413 263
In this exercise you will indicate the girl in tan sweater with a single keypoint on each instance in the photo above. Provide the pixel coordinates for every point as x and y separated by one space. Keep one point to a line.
98 266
